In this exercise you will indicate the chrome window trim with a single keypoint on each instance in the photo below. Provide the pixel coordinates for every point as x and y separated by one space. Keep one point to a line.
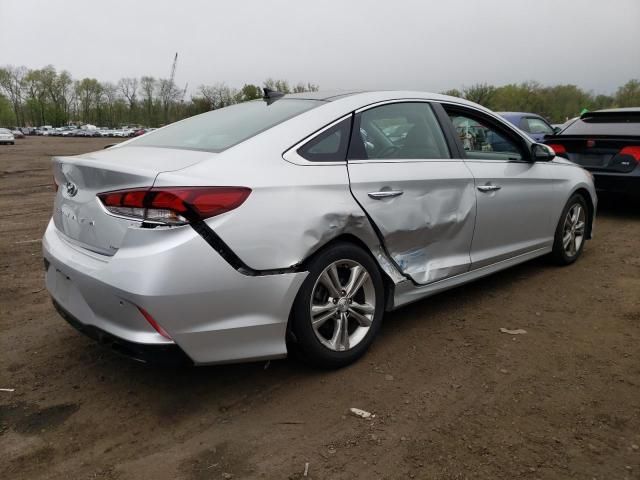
291 154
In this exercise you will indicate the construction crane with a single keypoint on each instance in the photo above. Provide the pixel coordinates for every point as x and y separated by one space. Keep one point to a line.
183 91
173 69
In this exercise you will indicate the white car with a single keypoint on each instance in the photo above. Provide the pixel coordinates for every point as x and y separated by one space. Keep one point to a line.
6 136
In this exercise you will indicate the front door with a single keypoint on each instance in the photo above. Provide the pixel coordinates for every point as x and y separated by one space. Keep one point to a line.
514 195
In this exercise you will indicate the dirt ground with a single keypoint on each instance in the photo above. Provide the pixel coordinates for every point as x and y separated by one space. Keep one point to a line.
453 397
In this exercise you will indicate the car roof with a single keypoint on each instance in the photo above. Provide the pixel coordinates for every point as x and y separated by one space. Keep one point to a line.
620 110
518 114
371 96
327 95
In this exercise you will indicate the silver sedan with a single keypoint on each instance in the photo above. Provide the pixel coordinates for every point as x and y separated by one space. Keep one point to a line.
6 136
294 222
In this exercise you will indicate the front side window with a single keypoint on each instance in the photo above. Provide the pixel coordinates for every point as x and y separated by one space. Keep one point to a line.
220 129
481 140
398 131
330 146
537 126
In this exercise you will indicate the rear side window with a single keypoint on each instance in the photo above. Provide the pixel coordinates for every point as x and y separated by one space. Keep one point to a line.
398 131
220 129
330 146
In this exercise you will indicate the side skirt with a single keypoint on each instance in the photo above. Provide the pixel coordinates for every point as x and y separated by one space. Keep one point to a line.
407 292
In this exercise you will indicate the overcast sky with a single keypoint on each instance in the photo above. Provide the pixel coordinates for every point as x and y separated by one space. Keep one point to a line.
364 44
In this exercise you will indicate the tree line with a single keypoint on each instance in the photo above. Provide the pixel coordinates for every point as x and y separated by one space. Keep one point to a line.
48 97
34 97
556 103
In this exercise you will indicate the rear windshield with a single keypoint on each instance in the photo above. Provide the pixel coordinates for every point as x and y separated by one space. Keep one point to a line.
618 125
220 129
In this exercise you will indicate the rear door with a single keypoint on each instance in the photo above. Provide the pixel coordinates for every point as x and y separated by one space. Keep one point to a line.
514 195
421 200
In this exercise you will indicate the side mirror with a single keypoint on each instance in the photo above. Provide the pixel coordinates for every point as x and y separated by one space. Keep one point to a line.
556 130
542 153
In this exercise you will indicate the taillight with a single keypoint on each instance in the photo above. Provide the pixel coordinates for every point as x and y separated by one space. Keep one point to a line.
173 205
631 151
557 148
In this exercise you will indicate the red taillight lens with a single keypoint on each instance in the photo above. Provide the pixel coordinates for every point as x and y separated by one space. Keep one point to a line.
631 151
174 205
557 148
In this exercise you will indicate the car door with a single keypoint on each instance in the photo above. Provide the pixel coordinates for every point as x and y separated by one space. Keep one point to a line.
420 198
514 195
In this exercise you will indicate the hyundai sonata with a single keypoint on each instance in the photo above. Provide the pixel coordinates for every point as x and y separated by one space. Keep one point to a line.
294 222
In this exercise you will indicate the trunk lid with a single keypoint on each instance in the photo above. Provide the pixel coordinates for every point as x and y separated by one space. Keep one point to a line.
597 153
78 213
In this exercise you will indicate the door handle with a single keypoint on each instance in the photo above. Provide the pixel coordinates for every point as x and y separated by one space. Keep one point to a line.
489 188
385 194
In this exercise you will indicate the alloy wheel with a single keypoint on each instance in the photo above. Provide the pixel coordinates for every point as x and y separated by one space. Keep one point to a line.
342 305
573 231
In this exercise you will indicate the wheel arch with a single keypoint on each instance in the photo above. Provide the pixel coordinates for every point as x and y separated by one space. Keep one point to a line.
387 277
584 193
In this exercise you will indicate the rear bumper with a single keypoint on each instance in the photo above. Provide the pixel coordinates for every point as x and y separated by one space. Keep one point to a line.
156 354
213 313
627 183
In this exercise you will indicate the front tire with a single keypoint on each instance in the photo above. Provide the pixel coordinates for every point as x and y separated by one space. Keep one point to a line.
571 231
339 308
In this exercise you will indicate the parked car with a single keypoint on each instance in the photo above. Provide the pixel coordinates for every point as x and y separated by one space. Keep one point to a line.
533 125
607 143
6 136
46 130
203 241
17 133
558 127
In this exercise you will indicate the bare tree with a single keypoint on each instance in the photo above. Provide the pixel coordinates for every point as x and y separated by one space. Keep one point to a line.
148 87
11 79
219 95
480 93
110 97
169 94
129 89
34 87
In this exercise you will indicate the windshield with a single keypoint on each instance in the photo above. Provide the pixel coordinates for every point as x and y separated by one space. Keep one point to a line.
220 129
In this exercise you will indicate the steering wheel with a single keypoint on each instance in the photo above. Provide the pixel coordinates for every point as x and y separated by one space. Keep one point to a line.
387 151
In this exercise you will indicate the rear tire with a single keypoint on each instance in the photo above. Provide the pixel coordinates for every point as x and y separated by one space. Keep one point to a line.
338 310
571 231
